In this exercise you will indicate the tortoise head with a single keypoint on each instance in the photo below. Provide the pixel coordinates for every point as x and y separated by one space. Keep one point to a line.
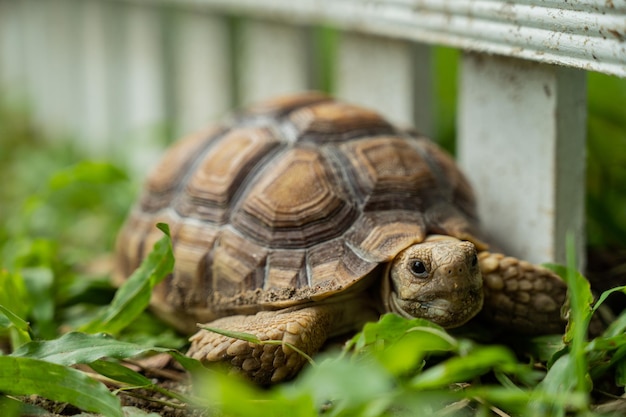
438 279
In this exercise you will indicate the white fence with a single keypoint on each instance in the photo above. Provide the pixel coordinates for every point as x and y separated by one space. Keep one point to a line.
116 73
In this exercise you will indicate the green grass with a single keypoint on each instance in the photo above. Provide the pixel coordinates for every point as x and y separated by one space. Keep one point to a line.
60 215
393 367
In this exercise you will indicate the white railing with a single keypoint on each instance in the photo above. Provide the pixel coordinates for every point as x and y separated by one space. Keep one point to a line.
115 73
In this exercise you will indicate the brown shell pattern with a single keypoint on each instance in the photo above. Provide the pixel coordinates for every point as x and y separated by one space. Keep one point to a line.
294 200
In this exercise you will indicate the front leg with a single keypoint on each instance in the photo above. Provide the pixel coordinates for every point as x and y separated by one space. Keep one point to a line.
521 296
306 328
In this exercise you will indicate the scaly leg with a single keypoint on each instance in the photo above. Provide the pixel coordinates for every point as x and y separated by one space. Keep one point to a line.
519 295
305 328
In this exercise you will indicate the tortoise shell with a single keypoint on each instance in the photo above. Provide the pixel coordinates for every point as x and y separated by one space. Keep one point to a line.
291 201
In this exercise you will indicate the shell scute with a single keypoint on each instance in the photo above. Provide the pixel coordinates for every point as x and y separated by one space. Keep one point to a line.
299 202
389 173
377 235
189 286
168 173
237 264
221 171
285 269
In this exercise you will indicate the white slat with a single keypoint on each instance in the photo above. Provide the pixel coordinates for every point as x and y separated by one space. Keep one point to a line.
144 85
33 32
389 75
587 34
63 72
521 140
273 60
96 129
202 70
51 65
12 82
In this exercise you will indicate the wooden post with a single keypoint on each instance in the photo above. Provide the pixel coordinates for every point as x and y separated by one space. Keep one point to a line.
521 140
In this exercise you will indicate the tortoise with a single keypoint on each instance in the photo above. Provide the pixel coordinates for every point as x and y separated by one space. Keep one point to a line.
303 217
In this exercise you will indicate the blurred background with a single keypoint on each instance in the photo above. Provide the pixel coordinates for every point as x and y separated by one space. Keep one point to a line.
92 91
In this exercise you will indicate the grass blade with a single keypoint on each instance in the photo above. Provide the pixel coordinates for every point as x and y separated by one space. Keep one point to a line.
581 311
606 294
26 376
120 373
249 337
134 296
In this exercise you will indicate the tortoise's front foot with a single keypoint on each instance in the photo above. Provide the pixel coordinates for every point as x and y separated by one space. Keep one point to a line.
263 363
519 295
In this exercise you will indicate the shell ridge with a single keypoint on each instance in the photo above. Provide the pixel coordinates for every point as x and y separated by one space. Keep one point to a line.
340 164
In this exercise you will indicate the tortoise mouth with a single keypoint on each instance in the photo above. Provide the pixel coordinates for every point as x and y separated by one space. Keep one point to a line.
450 309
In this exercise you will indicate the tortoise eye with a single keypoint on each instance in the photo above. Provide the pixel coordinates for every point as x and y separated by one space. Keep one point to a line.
418 268
474 260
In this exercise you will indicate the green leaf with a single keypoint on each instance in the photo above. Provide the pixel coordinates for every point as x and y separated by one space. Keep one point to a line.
10 407
20 329
27 376
74 348
14 319
581 301
477 362
40 284
120 373
348 385
559 381
13 293
400 344
620 372
545 347
606 294
521 402
90 172
387 330
134 296
617 327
